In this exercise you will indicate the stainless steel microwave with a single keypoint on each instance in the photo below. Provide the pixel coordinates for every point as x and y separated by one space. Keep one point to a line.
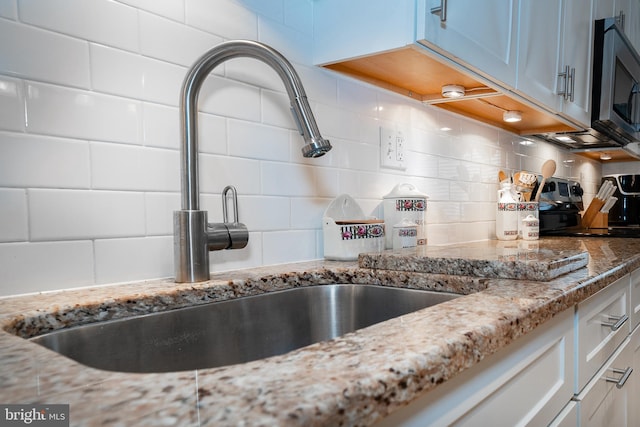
616 84
615 96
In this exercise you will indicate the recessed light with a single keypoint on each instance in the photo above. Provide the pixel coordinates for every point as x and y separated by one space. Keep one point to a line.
564 138
452 91
605 156
511 116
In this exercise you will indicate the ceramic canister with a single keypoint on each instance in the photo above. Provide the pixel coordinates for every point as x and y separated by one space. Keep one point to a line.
405 234
405 202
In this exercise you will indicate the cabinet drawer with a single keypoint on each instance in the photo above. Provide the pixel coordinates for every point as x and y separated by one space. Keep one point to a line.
634 297
602 326
568 417
605 400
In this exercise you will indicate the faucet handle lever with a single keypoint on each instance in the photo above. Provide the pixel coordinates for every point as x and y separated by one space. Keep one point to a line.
225 200
228 235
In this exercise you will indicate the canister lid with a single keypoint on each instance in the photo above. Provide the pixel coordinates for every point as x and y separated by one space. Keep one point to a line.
405 190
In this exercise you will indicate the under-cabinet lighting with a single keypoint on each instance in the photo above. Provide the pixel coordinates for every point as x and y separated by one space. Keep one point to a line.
605 156
453 91
564 138
512 116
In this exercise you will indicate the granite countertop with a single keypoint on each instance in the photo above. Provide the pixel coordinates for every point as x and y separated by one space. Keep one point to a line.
352 380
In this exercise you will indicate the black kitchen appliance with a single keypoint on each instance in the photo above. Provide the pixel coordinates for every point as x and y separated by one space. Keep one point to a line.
560 204
626 210
560 207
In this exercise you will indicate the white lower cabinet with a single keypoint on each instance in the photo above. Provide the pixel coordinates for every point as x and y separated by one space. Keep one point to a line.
603 324
606 399
580 369
634 386
527 383
568 417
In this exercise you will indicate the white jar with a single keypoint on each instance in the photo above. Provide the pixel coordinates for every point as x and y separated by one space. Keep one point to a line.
405 202
530 228
506 214
405 234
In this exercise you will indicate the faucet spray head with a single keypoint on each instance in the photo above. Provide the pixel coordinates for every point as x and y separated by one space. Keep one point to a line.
316 147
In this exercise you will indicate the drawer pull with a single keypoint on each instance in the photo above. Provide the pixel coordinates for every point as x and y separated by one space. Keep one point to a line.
626 373
619 321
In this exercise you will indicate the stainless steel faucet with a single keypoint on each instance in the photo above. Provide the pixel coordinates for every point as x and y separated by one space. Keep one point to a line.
193 236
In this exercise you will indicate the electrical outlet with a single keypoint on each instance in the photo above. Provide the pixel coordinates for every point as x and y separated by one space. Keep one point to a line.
392 143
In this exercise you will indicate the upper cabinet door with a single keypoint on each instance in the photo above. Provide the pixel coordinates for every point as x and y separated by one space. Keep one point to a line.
480 34
539 51
577 54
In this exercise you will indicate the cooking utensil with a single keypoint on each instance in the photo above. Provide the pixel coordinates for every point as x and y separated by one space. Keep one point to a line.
548 169
502 176
524 182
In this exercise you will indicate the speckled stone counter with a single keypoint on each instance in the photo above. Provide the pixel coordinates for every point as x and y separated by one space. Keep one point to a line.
353 380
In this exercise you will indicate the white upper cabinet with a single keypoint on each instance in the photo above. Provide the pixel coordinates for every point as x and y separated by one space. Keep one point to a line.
539 51
577 57
555 54
480 34
628 14
349 29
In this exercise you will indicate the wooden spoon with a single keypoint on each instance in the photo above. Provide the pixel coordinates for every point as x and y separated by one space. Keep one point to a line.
548 169
502 176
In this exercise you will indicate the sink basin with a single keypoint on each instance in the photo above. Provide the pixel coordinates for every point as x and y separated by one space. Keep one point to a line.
235 331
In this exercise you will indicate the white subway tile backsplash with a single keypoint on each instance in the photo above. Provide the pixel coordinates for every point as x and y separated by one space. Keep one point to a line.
55 110
227 98
257 141
212 134
276 110
171 41
9 9
253 72
120 260
41 161
125 167
103 21
356 155
307 212
159 208
216 172
161 126
288 246
261 213
43 55
11 104
45 266
13 215
173 9
84 214
225 18
287 179
131 75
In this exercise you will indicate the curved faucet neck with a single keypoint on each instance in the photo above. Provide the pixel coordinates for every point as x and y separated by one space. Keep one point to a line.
189 105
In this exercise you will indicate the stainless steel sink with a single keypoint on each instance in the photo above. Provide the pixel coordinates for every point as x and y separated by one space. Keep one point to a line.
235 331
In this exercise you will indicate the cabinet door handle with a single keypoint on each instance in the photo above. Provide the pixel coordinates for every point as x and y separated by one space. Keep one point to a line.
619 321
572 84
441 10
626 373
565 77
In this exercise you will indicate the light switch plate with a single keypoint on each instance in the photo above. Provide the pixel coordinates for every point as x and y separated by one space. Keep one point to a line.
392 148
